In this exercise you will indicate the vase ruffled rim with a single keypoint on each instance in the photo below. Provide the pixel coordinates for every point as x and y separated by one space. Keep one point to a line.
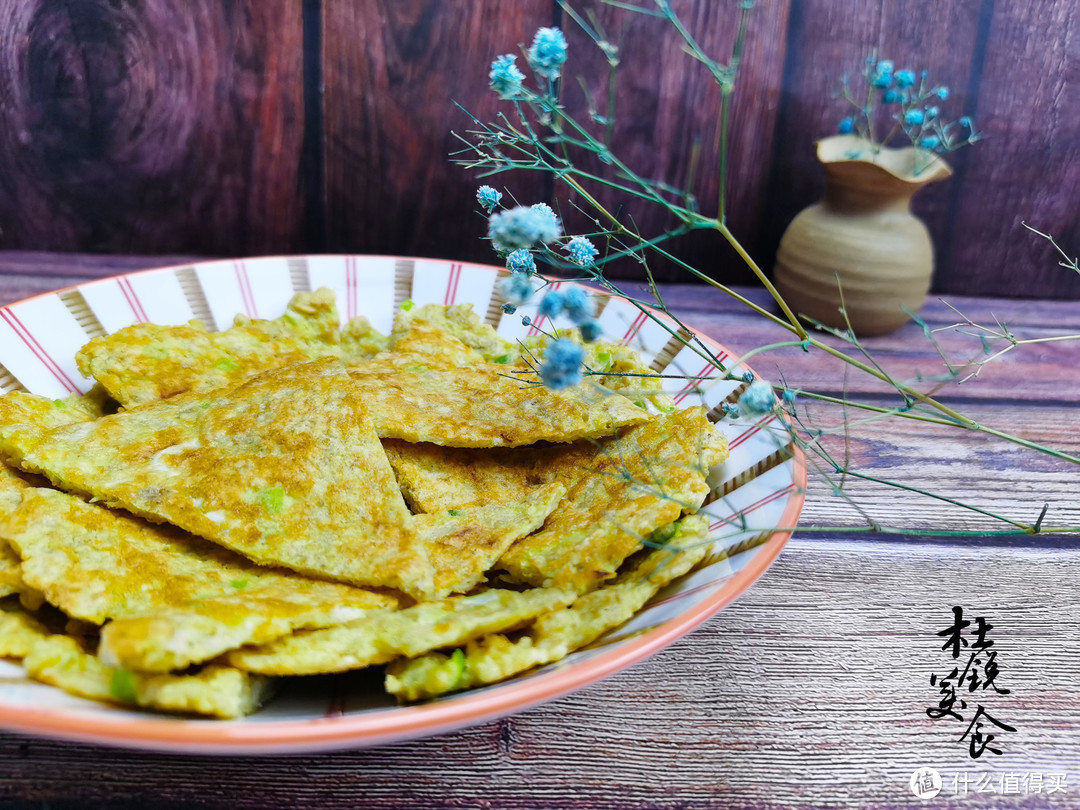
900 163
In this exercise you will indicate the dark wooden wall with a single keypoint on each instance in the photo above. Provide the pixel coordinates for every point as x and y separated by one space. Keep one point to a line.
233 127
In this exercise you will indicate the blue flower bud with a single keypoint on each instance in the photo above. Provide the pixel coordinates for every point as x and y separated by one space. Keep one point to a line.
914 118
847 126
548 223
547 53
891 97
521 261
885 67
943 93
488 197
930 142
904 78
591 331
552 304
522 227
757 399
581 250
515 290
505 77
577 304
931 113
562 364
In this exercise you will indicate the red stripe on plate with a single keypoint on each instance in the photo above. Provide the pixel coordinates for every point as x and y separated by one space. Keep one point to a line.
692 383
635 327
133 300
730 519
452 284
742 437
27 337
245 289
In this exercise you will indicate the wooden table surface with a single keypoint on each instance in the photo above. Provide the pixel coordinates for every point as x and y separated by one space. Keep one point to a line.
811 690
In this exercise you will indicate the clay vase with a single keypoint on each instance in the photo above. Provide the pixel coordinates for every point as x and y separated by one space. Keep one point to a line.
864 234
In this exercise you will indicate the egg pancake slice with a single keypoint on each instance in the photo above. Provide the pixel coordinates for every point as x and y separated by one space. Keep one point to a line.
216 691
383 635
284 469
641 481
481 406
435 478
555 634
145 362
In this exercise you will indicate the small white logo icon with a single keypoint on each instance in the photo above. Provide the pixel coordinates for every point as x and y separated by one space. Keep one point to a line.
925 783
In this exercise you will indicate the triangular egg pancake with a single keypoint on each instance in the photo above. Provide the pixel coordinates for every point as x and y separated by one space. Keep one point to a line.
435 479
455 333
465 543
641 481
145 362
481 406
284 469
96 564
24 418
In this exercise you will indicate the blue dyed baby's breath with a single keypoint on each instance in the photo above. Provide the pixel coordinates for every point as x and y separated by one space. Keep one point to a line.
515 289
521 261
552 304
505 77
547 54
562 364
488 197
581 250
757 399
578 305
591 330
547 223
522 227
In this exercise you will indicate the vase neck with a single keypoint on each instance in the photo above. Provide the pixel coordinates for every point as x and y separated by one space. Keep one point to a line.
853 198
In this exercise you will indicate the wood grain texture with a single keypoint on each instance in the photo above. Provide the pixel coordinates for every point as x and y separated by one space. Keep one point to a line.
1028 169
134 126
808 692
151 126
392 71
667 105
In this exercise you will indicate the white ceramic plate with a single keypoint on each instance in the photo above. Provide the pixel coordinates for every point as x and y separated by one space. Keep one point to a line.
758 489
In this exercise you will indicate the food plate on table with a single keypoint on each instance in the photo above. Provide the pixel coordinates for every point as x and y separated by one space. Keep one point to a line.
753 498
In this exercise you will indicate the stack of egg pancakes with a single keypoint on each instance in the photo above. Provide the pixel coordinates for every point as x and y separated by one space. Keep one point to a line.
299 497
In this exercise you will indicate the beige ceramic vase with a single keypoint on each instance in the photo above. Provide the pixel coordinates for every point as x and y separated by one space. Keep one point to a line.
864 235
